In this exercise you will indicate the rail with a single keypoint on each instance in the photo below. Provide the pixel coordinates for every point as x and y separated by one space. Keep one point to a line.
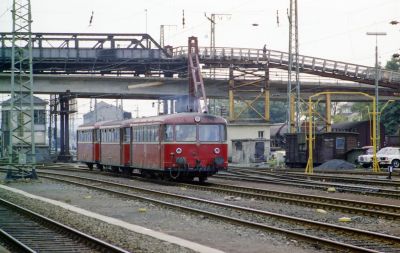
26 231
339 237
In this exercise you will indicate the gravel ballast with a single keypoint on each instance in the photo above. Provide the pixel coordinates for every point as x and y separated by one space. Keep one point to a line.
380 225
203 230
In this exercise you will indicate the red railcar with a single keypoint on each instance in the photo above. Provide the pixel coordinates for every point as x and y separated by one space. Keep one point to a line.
184 145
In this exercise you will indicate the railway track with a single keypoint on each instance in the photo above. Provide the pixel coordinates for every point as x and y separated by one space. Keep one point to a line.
326 178
25 231
358 172
339 237
314 201
304 183
307 200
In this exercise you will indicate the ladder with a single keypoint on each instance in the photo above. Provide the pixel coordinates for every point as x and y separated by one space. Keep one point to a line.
197 93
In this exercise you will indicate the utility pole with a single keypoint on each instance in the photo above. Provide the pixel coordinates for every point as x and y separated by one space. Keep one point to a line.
377 76
136 110
293 49
162 34
21 149
145 11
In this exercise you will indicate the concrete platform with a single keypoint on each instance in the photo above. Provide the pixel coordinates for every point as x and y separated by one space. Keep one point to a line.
135 228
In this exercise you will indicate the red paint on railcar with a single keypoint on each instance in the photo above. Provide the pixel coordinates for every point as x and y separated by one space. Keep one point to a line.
201 155
84 152
96 151
110 154
120 144
126 154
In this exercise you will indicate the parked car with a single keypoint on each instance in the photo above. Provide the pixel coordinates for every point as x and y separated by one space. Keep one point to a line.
386 156
365 160
389 156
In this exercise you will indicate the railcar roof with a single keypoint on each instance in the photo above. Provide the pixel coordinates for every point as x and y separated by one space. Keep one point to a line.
96 124
186 117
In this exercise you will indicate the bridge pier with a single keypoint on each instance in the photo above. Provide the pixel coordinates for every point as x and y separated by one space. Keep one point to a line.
64 155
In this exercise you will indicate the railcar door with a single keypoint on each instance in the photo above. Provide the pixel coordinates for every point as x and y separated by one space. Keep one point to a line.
126 146
96 145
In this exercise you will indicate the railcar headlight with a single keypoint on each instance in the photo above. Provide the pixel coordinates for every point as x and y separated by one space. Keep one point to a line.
217 150
178 150
181 160
219 160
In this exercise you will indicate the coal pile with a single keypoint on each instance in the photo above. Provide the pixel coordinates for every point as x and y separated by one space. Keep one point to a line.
336 164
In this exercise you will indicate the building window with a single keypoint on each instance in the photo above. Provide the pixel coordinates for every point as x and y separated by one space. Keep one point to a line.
340 143
260 134
39 117
238 146
5 118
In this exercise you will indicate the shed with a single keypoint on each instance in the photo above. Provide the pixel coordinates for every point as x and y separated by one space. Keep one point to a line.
248 130
250 150
39 125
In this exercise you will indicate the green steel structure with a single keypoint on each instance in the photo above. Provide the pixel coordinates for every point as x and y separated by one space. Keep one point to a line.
21 150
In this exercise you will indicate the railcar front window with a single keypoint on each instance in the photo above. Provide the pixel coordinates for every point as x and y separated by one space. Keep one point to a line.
209 133
185 132
169 133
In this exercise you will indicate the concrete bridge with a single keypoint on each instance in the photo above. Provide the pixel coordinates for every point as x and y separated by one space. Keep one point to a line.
87 86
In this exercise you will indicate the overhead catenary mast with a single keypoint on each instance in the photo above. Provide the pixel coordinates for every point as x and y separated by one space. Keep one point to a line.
213 23
21 149
293 124
162 34
212 34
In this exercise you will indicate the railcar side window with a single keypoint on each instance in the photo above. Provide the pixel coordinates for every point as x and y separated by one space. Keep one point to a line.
97 135
156 133
209 133
140 138
134 134
185 132
223 132
169 133
127 135
151 135
116 135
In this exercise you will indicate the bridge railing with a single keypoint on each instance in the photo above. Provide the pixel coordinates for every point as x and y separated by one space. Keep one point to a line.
308 64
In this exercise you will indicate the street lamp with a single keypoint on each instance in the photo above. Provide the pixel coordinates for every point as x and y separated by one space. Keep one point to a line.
376 34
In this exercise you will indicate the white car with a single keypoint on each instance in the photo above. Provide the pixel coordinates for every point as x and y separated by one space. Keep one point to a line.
389 156
366 159
386 156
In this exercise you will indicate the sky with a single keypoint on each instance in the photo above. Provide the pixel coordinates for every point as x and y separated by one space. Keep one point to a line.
331 29
327 29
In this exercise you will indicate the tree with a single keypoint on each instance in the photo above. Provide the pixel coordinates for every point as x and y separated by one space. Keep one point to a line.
390 116
363 108
393 64
278 112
